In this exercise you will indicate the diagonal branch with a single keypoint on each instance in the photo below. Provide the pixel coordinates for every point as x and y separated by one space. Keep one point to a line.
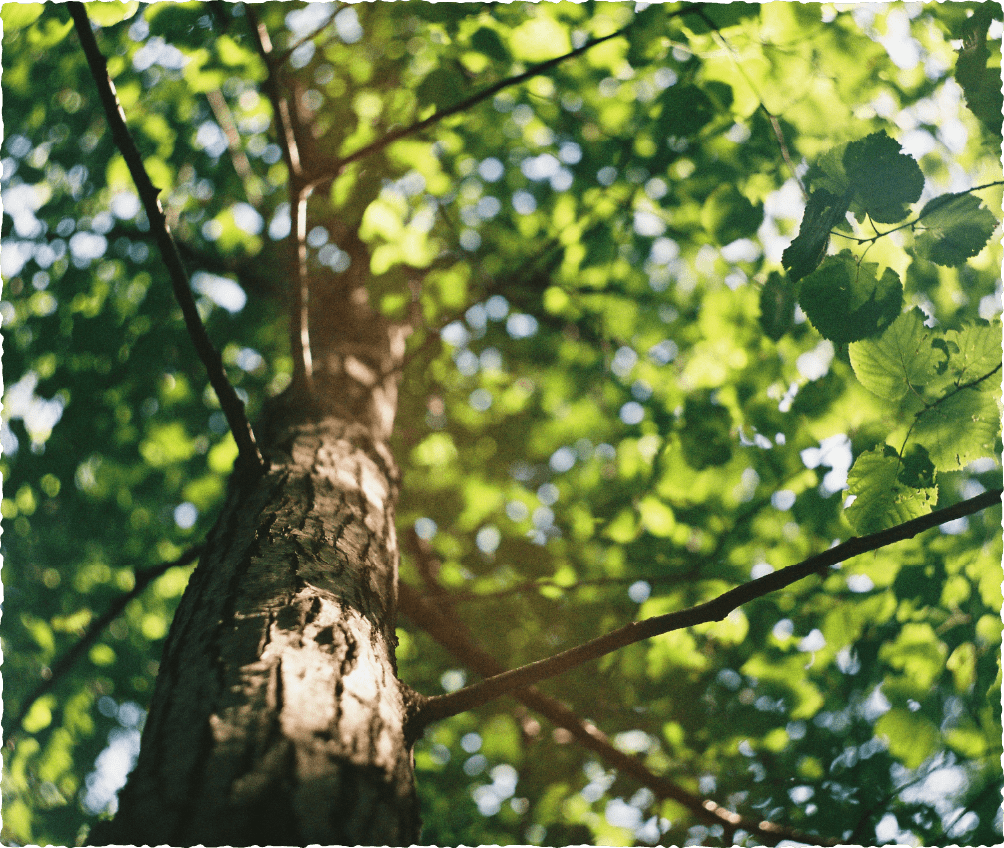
443 626
231 404
94 630
224 117
442 706
479 97
775 123
310 36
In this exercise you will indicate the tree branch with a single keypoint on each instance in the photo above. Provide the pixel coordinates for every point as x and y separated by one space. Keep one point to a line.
224 117
771 117
231 404
310 36
285 128
453 703
65 662
444 627
475 99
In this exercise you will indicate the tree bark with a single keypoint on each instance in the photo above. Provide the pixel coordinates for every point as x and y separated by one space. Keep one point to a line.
277 717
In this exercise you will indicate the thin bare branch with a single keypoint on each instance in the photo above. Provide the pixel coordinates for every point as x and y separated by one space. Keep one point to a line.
479 97
310 36
224 117
299 290
932 206
443 706
280 108
59 668
436 618
775 124
233 407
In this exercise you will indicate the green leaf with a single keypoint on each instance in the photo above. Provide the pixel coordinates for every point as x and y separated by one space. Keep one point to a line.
539 39
106 14
721 16
961 427
828 172
646 37
706 433
657 517
777 306
685 110
884 490
973 357
980 81
885 180
918 653
728 215
822 213
956 227
442 87
39 715
847 302
917 470
903 359
486 40
962 664
912 737
19 15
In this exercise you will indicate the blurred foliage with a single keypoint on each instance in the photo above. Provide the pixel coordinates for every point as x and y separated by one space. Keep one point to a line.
614 405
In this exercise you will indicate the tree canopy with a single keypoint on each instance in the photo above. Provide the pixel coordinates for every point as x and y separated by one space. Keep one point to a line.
695 292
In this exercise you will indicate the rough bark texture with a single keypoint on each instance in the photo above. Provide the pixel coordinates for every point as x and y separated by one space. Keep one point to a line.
277 716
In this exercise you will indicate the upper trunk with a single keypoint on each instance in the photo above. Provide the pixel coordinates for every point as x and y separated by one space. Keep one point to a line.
277 716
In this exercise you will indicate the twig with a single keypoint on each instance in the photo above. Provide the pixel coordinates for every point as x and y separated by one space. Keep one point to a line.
231 404
475 99
65 662
284 56
932 206
771 117
443 706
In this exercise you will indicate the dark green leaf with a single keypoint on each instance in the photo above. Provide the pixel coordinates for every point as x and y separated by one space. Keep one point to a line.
822 213
885 180
777 305
728 215
685 110
705 433
486 40
847 302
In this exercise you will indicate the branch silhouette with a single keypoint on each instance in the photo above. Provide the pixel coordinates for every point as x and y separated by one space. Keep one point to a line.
286 126
433 611
439 707
233 408
95 628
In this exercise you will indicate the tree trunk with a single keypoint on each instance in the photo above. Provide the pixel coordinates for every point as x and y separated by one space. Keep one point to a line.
278 717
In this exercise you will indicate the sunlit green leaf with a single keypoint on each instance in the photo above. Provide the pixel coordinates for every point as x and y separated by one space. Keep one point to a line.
18 15
901 360
889 490
955 227
109 12
912 738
